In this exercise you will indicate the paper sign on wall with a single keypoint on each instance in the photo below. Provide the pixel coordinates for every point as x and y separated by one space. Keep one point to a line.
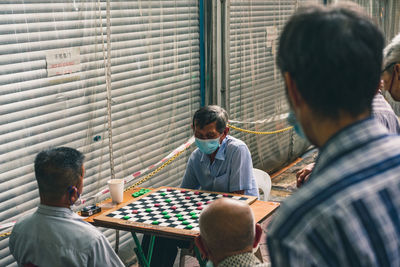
63 61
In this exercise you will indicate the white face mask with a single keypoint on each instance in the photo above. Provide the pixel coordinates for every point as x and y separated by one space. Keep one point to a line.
209 264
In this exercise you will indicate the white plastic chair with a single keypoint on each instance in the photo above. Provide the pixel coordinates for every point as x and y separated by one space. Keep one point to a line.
263 183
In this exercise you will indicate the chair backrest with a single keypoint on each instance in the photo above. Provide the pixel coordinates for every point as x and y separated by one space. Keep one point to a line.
263 183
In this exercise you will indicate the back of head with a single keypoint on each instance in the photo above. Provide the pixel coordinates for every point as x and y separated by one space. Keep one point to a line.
210 114
57 169
334 55
227 226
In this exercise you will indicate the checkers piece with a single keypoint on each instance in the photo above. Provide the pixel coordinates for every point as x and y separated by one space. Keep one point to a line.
197 193
173 208
199 203
187 197
155 222
195 217
188 227
199 207
168 200
163 194
208 202
148 210
185 222
192 213
126 217
167 216
183 191
178 215
225 195
157 205
164 212
181 219
136 194
135 211
170 189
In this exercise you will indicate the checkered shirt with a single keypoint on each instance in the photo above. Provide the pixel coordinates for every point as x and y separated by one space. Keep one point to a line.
348 214
242 260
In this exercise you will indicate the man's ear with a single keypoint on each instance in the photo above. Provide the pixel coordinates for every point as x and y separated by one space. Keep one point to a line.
226 131
293 92
257 236
200 244
73 194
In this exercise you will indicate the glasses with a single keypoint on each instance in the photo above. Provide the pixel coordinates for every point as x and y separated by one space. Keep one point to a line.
388 67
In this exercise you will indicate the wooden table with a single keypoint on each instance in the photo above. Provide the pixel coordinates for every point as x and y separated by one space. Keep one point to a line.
261 209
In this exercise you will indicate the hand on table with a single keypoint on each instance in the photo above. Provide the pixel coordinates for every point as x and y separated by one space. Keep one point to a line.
303 175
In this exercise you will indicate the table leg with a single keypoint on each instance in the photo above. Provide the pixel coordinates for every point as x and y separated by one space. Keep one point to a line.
199 258
150 251
140 254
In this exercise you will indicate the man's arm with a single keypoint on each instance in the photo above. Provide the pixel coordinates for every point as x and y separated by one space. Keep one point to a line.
241 173
189 179
303 175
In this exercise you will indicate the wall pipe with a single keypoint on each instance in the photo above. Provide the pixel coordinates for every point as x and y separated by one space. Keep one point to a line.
202 58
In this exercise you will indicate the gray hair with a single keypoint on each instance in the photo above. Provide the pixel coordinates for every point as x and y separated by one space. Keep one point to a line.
391 54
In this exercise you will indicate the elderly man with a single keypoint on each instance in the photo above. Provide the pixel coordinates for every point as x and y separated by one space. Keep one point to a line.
348 214
221 162
391 68
54 235
228 234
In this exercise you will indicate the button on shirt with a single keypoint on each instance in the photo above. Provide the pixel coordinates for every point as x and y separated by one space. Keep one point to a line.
348 214
54 236
232 169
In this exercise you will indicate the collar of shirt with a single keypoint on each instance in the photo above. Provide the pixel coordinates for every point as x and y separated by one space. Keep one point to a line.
57 212
221 151
244 259
347 140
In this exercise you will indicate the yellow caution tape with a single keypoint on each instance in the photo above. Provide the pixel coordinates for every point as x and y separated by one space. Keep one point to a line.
255 132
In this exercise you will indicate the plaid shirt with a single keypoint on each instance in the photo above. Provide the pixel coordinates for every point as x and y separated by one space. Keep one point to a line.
242 260
348 214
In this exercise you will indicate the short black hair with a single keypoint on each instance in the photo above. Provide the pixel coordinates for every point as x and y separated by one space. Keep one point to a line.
334 55
209 114
56 169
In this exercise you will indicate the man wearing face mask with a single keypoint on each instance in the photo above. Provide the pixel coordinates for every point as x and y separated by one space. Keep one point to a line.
330 58
54 235
221 163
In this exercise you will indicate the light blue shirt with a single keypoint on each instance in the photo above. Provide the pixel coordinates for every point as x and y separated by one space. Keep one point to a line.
54 236
232 169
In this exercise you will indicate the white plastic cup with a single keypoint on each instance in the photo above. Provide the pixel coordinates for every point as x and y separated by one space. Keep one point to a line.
116 187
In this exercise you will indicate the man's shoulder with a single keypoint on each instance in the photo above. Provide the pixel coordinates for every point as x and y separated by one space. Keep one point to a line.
233 142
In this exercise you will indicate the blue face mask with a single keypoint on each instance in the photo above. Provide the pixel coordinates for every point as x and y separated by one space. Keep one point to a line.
292 121
207 146
209 264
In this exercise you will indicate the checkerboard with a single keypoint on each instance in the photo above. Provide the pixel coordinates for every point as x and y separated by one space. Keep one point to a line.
171 207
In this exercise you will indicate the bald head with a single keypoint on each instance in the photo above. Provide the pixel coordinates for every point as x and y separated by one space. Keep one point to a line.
227 226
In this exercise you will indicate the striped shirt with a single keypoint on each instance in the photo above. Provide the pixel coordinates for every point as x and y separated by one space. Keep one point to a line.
384 113
348 214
